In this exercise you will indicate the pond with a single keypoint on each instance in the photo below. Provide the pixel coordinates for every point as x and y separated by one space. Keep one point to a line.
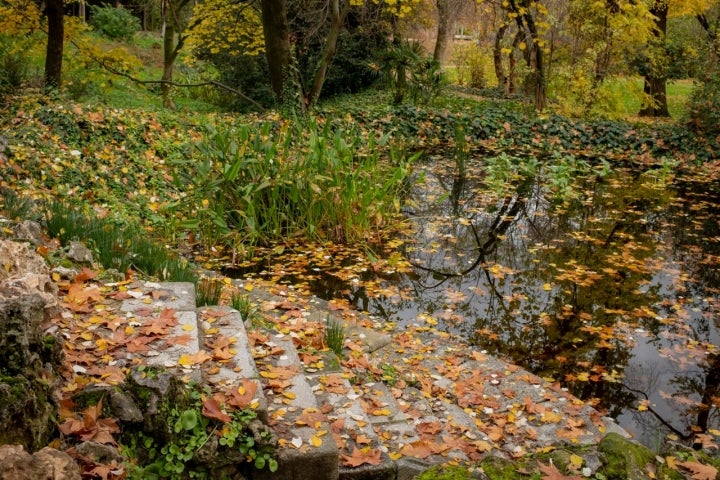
602 278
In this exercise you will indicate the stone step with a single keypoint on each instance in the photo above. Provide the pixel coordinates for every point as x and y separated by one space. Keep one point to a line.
225 338
351 426
307 448
171 303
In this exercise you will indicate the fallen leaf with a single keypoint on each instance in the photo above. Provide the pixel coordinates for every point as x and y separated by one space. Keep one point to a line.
552 473
359 457
699 470
211 409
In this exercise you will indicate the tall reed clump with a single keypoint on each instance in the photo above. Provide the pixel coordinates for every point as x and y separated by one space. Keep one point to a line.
116 245
258 184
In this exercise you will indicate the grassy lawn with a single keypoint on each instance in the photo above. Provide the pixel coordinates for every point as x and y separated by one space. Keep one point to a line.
678 92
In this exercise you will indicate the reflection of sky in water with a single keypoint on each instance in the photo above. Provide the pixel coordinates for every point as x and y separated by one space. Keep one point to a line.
635 254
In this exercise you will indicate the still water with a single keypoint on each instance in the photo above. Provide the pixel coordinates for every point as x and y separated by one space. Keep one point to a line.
601 277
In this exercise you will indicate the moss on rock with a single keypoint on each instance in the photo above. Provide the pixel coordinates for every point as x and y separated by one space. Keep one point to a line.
624 459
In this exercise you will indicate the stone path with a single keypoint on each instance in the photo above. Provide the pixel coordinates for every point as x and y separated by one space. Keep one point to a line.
402 400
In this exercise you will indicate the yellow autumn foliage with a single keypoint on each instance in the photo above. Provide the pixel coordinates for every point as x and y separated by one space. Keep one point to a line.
231 28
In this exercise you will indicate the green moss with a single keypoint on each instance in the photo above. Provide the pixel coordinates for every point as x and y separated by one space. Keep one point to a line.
88 398
501 469
446 472
624 459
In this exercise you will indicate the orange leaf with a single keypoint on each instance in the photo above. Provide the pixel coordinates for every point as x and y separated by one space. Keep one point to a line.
211 409
552 473
359 457
243 395
700 471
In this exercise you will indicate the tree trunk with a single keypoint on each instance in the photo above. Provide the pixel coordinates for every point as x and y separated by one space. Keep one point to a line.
446 26
54 50
277 42
497 57
169 54
328 51
655 84
524 19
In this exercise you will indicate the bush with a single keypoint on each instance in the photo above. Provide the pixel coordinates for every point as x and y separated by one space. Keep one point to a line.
13 65
409 72
114 23
704 106
472 65
261 183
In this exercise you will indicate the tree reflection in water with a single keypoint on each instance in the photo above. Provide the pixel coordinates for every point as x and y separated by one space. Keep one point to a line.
610 289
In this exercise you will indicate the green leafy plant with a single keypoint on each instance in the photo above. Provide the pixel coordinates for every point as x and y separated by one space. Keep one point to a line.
189 431
242 304
115 23
258 184
334 336
209 291
409 72
14 206
117 245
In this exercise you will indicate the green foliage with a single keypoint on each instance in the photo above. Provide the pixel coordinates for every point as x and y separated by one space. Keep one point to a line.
258 184
208 292
409 73
334 336
13 65
189 431
115 23
472 65
703 109
117 245
14 206
242 304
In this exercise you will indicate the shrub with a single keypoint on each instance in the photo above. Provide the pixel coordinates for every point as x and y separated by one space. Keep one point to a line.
704 106
13 65
114 23
409 72
258 184
472 65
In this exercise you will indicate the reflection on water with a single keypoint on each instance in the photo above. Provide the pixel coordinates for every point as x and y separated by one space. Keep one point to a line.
610 287
606 281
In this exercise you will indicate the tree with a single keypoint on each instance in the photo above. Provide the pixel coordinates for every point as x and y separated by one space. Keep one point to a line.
54 11
655 81
172 21
448 13
277 44
522 12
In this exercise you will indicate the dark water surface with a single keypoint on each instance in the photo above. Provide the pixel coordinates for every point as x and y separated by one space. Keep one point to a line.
605 279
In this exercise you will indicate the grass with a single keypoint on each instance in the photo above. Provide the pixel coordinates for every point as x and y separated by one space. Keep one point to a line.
116 245
208 292
242 304
334 336
631 90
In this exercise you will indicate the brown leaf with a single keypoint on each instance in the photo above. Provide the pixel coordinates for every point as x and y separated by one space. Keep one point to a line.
211 409
700 471
243 395
552 473
359 457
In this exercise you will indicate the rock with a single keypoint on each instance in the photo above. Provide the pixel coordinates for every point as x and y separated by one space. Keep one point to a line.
206 453
99 452
29 231
27 382
23 271
47 464
65 273
624 459
77 252
53 464
15 463
124 407
17 259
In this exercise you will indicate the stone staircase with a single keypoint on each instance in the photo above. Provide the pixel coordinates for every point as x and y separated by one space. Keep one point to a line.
440 403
